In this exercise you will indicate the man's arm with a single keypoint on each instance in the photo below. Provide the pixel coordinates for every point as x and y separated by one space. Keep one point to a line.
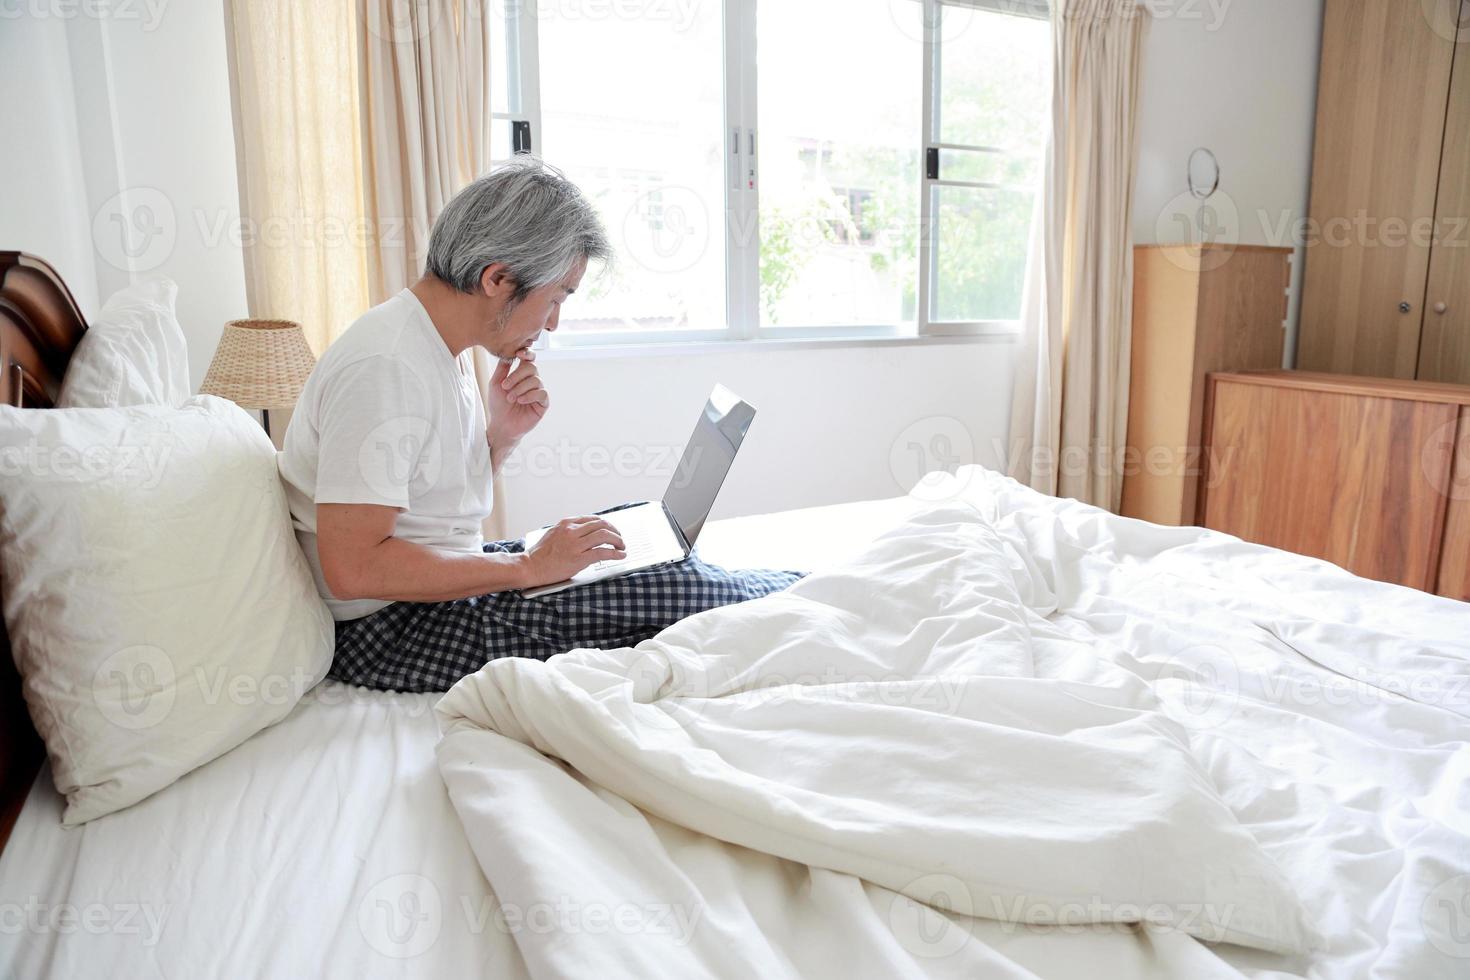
361 559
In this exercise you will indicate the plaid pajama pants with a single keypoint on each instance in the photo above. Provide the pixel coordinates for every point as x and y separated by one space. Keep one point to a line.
427 646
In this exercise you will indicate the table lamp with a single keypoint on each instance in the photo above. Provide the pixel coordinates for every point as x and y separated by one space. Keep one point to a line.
260 364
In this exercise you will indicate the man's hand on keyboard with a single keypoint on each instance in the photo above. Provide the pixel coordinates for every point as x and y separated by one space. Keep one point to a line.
570 546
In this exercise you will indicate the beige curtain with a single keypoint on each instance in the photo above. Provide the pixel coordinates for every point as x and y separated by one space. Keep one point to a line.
426 126
1069 416
294 87
366 113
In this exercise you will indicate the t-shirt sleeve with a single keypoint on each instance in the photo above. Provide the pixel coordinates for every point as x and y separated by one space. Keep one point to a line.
375 435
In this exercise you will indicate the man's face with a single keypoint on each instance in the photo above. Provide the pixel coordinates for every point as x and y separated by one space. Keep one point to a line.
518 327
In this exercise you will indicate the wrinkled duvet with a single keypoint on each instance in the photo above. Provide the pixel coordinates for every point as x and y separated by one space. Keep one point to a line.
1015 736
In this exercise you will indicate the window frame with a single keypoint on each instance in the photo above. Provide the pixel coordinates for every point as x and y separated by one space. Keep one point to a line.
742 184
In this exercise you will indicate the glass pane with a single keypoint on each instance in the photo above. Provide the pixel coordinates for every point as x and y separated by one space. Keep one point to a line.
981 252
989 168
644 139
500 143
995 92
840 101
994 80
503 66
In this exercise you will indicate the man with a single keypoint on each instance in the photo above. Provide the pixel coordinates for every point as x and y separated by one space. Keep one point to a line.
389 458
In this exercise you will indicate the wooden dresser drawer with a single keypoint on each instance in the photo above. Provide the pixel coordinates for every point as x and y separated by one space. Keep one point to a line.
1361 472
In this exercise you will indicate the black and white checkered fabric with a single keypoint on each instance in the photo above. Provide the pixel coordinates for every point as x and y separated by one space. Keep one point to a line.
427 646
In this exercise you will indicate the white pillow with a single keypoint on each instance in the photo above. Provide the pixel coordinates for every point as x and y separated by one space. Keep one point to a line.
133 354
159 608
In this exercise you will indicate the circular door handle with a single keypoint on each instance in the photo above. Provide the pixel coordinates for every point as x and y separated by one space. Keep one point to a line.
1441 308
1405 307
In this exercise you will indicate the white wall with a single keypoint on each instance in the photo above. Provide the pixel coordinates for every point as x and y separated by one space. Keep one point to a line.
1238 77
43 202
832 424
127 162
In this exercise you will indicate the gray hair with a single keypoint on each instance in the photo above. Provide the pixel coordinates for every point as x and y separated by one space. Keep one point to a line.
524 215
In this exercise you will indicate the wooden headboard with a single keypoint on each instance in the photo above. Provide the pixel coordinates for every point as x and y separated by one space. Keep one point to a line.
40 326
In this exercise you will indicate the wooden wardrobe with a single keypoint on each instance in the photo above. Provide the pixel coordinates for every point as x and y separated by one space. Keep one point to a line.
1196 309
1386 288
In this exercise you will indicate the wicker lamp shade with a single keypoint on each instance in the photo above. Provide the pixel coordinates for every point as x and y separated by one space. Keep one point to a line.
260 364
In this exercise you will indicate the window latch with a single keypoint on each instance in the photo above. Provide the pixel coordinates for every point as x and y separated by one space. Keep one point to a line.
520 136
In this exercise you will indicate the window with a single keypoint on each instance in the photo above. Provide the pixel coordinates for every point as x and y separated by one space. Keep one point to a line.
787 168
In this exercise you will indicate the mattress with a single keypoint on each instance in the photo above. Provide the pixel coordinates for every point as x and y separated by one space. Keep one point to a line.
323 846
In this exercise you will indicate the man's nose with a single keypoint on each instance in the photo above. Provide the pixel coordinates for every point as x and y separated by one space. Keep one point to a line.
554 319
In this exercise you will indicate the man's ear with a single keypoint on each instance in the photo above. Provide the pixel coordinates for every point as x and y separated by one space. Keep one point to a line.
496 281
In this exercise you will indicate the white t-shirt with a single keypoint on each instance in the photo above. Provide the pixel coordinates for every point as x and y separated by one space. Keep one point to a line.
390 417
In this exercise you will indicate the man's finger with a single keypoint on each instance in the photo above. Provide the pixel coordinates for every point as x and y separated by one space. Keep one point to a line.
603 538
526 370
587 525
524 384
502 370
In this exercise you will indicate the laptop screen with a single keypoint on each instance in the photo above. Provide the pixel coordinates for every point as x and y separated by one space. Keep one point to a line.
706 460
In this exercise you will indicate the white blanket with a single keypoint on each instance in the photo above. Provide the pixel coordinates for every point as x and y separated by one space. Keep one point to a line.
990 712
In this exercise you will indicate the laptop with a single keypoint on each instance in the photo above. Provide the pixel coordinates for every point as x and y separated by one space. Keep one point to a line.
663 531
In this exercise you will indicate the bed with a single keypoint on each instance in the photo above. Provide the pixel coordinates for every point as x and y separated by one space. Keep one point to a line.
1333 712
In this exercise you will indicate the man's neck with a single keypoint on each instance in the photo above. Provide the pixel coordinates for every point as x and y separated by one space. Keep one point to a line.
453 313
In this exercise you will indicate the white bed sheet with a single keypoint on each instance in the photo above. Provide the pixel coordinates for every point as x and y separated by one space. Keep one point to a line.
325 846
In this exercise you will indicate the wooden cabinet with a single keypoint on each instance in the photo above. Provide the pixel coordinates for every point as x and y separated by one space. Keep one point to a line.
1195 310
1444 346
1367 473
1384 159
